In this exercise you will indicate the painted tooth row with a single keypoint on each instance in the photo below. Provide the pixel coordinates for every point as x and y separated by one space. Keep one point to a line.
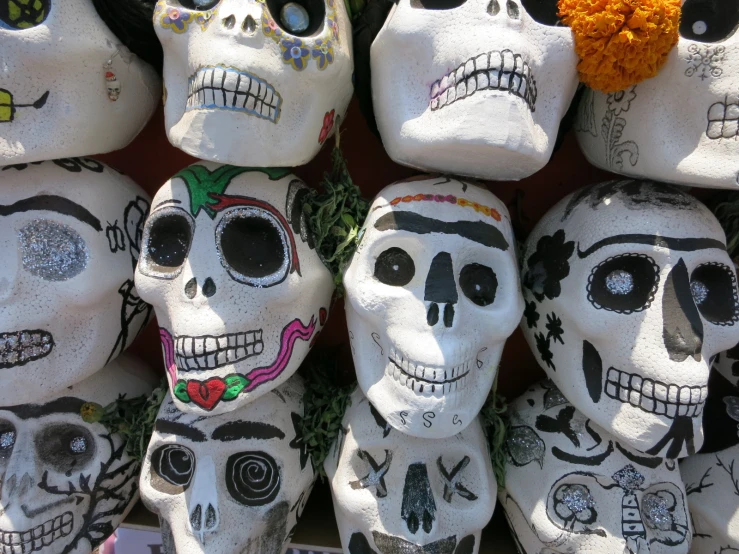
217 359
202 346
723 120
23 346
425 388
437 375
37 538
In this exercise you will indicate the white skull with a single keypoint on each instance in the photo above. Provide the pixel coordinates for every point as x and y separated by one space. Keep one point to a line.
681 126
254 82
394 493
54 101
70 232
67 484
432 293
230 483
572 487
629 294
240 293
475 87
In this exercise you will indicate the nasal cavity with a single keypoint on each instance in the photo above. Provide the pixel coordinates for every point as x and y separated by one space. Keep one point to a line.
249 25
493 7
513 11
441 289
229 22
682 324
209 288
191 288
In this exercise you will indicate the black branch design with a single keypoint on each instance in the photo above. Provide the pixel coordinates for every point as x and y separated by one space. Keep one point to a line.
729 469
692 488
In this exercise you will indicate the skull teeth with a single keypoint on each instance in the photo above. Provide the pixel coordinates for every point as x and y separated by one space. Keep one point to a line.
723 119
223 88
38 538
428 381
655 397
20 347
211 352
496 70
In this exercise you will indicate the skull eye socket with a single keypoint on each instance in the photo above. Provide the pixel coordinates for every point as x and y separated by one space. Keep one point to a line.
252 478
253 247
166 243
173 466
301 18
52 250
543 11
7 439
199 5
479 284
624 284
714 292
709 20
18 15
394 267
437 4
65 447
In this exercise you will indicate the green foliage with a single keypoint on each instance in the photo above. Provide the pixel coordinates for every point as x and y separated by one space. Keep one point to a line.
495 421
354 8
725 205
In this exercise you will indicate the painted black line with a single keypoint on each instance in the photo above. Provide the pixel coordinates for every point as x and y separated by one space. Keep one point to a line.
52 203
684 245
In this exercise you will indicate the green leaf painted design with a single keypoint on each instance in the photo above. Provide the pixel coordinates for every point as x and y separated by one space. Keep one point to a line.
234 385
180 391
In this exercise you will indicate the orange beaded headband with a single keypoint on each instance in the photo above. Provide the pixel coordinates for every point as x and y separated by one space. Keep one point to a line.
448 198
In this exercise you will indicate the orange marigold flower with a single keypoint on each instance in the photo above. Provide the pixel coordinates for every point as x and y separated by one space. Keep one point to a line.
621 42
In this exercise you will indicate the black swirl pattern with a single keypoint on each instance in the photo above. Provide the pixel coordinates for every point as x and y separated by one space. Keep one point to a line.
252 478
173 466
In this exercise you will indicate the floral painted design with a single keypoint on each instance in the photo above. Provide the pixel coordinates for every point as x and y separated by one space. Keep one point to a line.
554 328
323 53
621 101
176 20
270 28
204 19
575 503
328 125
530 314
333 25
548 266
295 53
543 345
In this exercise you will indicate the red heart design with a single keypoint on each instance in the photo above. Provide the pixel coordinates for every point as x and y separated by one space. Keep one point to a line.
206 394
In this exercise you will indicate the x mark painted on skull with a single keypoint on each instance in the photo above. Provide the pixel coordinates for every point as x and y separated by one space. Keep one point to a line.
451 478
376 475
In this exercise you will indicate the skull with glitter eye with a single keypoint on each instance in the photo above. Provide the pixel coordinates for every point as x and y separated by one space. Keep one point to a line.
67 483
395 493
277 73
629 294
70 232
682 125
573 487
239 291
230 483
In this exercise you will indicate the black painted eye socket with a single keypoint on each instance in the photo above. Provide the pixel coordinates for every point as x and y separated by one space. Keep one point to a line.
173 466
478 283
18 15
300 18
7 439
252 478
199 5
166 243
543 11
394 267
65 447
253 247
709 20
714 292
624 284
436 4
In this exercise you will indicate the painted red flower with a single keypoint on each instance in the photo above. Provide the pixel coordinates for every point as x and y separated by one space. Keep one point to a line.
328 124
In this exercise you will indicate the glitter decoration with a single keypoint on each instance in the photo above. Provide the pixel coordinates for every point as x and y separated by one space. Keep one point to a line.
524 446
7 440
52 250
620 282
78 445
577 498
699 291
629 478
656 512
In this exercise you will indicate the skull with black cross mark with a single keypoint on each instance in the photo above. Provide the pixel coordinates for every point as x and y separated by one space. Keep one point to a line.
231 483
473 87
394 493
629 294
432 293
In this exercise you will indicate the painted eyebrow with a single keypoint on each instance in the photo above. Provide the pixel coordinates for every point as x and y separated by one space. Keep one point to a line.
180 429
476 231
64 405
684 245
242 430
165 202
53 203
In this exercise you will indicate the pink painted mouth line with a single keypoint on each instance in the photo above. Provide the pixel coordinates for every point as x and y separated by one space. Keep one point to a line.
294 331
168 347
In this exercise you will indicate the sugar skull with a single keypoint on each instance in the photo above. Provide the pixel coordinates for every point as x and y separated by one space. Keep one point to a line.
54 97
629 294
70 230
394 493
67 484
573 487
254 82
473 87
682 125
228 483
239 291
432 293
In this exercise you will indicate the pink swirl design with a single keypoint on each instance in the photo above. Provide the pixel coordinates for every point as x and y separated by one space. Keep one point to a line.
168 348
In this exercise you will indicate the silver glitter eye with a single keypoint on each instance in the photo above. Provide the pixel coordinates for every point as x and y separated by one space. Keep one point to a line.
657 512
577 498
7 440
294 17
699 291
78 445
620 282
51 250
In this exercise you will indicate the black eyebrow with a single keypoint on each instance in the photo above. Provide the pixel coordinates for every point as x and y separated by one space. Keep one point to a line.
242 430
684 245
180 429
477 231
165 202
64 405
53 203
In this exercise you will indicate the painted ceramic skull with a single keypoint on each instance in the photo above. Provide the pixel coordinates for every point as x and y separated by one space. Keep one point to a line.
254 82
629 294
573 487
67 484
472 87
394 493
239 292
233 483
432 293
54 99
681 126
70 232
